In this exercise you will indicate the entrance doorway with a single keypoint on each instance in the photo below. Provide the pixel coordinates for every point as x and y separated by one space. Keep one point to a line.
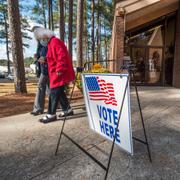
148 61
151 49
138 56
154 69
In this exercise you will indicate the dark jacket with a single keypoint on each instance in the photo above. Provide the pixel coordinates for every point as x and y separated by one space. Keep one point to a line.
41 68
44 67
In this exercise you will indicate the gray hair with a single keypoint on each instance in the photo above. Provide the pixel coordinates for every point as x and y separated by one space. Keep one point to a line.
34 28
41 33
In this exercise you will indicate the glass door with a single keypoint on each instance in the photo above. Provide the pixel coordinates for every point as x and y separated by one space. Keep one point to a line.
138 56
148 61
154 65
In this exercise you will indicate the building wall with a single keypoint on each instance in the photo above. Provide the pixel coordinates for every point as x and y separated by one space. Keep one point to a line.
117 42
176 73
145 14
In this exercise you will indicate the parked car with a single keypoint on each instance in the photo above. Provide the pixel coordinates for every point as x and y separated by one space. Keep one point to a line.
10 77
2 74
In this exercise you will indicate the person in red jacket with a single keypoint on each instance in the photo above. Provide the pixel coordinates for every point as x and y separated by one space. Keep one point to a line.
60 72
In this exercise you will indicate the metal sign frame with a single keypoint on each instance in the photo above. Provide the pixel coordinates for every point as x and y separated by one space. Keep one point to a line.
106 168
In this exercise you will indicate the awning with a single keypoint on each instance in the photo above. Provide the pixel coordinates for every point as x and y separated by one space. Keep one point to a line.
139 12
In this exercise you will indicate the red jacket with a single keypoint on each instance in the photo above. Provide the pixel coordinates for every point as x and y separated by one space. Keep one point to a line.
58 60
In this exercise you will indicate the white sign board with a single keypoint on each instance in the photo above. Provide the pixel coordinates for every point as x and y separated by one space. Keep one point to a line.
103 94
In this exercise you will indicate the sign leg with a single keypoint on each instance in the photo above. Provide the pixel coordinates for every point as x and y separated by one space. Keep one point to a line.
112 147
142 119
62 129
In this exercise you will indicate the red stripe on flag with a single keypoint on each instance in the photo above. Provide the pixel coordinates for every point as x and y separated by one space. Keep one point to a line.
106 93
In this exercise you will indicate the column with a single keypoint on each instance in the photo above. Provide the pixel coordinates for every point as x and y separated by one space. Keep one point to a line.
117 44
176 73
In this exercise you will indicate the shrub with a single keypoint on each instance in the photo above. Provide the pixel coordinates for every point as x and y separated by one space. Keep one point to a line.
97 68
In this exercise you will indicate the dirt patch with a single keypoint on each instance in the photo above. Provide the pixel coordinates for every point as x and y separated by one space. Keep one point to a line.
13 104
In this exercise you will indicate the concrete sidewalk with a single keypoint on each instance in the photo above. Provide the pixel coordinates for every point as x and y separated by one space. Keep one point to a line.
27 147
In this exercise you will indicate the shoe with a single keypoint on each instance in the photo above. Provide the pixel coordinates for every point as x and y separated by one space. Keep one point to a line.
69 112
47 119
35 113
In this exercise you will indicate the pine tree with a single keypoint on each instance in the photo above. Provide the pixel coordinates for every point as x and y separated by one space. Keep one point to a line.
70 28
98 31
25 27
86 33
106 9
4 30
92 31
79 32
17 52
39 12
62 20
50 15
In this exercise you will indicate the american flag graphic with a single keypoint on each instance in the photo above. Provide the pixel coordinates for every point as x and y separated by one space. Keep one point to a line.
99 90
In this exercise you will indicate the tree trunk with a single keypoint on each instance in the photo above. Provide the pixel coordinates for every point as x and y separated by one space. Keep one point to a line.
16 40
99 42
85 34
50 15
92 31
61 22
97 33
106 44
70 27
44 13
79 32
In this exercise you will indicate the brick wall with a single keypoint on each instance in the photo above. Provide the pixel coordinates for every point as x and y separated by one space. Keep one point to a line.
117 48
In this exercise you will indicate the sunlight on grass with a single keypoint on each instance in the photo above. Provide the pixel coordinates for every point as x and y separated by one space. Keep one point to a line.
8 88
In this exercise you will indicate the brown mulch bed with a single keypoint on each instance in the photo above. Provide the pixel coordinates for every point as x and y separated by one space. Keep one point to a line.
13 104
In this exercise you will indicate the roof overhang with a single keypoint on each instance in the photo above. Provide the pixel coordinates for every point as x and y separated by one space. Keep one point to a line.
139 12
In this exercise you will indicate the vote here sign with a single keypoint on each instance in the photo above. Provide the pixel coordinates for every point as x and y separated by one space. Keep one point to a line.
103 94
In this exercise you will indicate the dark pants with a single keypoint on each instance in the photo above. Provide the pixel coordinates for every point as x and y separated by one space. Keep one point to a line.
57 95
